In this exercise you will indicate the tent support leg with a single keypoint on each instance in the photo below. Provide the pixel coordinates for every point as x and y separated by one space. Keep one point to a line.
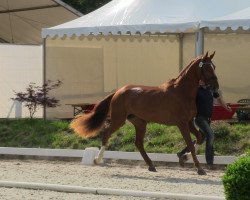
181 36
199 42
44 72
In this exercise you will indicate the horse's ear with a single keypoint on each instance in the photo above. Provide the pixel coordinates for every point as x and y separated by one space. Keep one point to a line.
212 55
205 57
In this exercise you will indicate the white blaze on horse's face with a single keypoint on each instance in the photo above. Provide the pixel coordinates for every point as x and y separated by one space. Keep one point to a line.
206 63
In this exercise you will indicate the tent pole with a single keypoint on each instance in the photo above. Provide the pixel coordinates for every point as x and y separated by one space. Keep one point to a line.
44 71
181 35
199 42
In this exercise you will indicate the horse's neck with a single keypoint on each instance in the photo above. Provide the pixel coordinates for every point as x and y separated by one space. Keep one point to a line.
188 81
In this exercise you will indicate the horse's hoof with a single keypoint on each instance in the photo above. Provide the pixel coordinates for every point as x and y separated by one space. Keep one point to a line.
181 162
201 172
182 159
152 169
98 162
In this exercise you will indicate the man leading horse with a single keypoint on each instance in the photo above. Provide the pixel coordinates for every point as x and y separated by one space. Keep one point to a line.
205 101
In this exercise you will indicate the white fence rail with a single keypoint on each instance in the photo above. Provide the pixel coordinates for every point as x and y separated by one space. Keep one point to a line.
41 152
104 191
162 157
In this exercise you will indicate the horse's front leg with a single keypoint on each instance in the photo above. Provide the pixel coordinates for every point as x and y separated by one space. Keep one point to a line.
185 131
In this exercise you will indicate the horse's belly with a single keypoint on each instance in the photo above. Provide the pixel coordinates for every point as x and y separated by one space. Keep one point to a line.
157 115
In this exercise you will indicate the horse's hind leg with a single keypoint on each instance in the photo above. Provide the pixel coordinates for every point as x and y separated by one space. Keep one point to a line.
140 128
111 126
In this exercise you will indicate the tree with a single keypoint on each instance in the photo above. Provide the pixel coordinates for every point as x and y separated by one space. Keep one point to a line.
37 96
86 6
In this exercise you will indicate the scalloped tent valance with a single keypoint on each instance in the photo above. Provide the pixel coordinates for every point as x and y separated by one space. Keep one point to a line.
157 16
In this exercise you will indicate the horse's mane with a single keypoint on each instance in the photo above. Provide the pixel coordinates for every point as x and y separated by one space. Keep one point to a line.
183 71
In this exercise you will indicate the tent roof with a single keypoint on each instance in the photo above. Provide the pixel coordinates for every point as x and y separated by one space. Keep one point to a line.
154 16
21 21
234 21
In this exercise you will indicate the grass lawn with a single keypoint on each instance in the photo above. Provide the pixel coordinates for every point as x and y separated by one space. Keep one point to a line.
229 139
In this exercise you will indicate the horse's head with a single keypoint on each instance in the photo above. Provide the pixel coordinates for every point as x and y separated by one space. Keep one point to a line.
207 69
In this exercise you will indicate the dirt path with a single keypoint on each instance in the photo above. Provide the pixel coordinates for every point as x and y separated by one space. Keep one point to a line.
111 175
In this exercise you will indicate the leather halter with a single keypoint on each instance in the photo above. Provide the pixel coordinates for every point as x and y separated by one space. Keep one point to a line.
201 64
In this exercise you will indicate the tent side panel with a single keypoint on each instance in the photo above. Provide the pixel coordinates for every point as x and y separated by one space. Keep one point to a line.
232 63
188 48
109 54
19 66
147 60
81 73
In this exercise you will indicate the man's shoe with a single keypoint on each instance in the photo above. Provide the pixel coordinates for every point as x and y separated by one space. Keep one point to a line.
211 167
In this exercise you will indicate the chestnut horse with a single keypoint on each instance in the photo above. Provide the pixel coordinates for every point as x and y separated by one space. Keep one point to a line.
172 103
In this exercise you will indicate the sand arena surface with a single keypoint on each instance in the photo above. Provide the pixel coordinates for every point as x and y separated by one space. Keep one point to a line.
110 175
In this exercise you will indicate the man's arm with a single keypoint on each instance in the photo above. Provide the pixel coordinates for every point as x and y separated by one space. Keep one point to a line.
221 101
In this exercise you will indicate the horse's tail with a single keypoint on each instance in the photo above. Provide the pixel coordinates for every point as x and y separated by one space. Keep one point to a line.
87 125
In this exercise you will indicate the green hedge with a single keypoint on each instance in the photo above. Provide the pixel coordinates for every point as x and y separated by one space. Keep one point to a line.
236 180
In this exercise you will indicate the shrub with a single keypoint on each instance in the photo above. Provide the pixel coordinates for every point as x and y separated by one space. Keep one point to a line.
236 180
37 96
221 129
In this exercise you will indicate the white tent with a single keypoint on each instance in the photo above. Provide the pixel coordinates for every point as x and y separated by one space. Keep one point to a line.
235 20
154 16
21 21
195 23
157 16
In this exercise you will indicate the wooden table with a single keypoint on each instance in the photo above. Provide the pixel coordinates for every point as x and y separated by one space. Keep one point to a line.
79 108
